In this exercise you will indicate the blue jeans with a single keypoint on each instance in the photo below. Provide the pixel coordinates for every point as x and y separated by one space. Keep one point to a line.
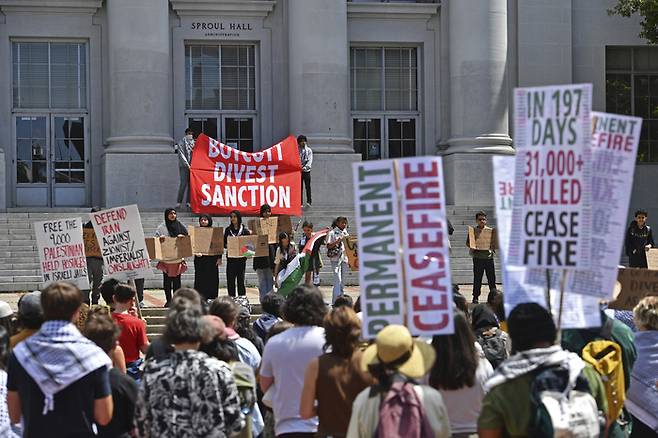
339 269
265 282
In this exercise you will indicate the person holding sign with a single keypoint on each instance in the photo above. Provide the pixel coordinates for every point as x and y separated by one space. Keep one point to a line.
94 269
336 253
184 150
235 267
285 252
480 245
206 268
264 266
171 271
639 239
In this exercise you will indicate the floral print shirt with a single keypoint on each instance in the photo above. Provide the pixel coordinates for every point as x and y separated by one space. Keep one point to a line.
189 394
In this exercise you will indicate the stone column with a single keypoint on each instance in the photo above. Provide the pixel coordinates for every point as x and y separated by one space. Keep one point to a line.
319 73
139 160
478 98
319 92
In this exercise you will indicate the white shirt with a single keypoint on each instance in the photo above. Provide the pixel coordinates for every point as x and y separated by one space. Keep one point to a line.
464 404
285 358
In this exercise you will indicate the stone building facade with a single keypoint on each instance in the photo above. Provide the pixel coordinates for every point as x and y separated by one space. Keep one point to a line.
94 93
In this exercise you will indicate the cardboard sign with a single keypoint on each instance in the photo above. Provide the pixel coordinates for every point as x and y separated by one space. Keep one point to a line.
552 220
170 249
636 283
223 178
207 240
351 246
247 246
62 251
92 248
485 241
422 298
121 238
271 227
652 258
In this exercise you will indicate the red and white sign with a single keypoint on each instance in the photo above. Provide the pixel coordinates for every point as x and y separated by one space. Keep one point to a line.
223 179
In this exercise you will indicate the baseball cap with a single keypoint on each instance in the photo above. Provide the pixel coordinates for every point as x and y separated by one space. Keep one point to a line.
29 305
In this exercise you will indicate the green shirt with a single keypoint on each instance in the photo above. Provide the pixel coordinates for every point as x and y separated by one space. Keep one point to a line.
507 406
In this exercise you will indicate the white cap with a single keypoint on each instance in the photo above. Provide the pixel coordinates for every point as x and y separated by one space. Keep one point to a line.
5 309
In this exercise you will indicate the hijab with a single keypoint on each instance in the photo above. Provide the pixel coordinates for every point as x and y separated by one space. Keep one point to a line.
207 217
482 317
174 227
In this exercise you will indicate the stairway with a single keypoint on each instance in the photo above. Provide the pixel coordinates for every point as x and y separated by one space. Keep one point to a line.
19 260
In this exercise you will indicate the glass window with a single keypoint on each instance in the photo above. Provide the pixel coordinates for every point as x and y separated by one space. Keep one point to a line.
31 151
632 89
220 77
239 133
401 138
384 79
69 149
49 75
368 138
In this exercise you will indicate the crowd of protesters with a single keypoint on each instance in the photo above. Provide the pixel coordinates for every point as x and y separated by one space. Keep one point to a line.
303 369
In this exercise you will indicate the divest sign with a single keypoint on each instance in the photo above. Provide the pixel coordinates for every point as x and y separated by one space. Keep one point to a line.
223 179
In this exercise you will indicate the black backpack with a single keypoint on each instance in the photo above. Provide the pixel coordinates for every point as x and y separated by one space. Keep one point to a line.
494 344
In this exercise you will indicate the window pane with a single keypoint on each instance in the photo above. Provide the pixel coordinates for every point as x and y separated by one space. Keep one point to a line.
394 149
409 148
23 171
409 129
618 58
618 93
39 171
643 152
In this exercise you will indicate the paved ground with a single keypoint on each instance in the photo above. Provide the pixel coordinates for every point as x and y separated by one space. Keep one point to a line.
155 297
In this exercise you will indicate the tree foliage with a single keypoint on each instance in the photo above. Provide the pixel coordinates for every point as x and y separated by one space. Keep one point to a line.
647 10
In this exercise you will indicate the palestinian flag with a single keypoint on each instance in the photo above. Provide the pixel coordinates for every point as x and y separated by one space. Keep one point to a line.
247 250
290 277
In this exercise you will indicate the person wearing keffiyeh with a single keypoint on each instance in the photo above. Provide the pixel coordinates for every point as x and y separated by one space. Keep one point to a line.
58 379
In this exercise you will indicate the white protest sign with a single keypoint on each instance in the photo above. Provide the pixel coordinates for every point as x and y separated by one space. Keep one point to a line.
378 224
551 220
613 153
577 311
425 246
403 243
121 238
62 251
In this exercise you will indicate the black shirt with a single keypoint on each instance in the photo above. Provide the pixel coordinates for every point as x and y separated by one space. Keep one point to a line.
73 415
124 396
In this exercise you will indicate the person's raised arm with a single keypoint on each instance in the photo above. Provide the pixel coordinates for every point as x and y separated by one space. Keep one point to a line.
307 404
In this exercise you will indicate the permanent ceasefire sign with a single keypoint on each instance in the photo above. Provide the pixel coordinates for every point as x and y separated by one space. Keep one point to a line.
403 245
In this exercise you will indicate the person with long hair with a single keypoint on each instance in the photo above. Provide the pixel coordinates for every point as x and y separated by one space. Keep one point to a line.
285 252
335 378
336 253
398 362
235 266
206 268
264 266
460 376
171 269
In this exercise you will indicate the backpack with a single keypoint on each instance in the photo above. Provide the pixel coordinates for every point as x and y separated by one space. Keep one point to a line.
401 413
245 380
494 345
605 357
562 406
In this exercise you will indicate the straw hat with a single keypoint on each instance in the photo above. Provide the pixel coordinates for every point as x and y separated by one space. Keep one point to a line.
395 346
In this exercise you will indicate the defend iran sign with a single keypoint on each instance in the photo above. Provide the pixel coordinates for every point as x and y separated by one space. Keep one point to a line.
404 268
223 179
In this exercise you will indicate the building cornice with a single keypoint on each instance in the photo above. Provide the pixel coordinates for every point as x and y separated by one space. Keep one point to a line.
229 8
416 11
51 6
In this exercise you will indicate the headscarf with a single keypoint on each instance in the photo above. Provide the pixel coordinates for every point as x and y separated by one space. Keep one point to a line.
482 317
207 217
174 227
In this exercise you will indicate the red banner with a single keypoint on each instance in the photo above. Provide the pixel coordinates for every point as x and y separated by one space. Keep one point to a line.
223 179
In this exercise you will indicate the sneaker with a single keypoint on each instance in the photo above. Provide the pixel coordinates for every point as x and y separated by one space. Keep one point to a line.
316 279
142 305
476 301
188 205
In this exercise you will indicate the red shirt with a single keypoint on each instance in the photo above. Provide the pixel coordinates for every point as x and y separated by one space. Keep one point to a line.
133 335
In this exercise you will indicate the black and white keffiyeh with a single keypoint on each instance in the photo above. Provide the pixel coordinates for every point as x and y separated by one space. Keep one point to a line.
527 361
57 356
